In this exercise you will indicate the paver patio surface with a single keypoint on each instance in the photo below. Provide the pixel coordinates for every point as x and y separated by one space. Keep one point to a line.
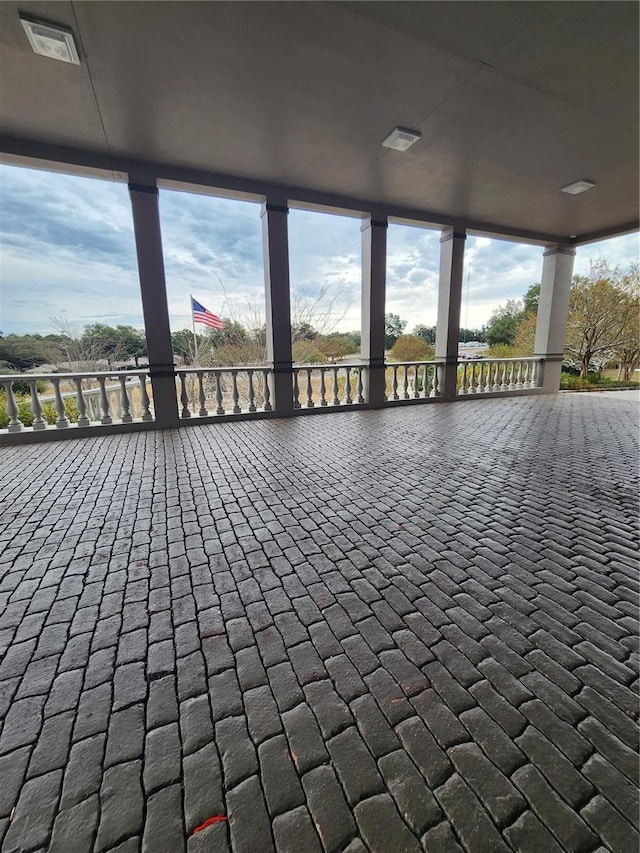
397 630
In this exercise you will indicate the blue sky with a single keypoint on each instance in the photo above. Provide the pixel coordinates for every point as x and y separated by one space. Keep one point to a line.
67 256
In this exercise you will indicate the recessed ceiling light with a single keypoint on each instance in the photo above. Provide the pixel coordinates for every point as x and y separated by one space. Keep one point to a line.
400 139
578 187
51 41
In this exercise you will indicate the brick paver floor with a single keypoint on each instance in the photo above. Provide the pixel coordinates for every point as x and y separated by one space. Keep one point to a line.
389 631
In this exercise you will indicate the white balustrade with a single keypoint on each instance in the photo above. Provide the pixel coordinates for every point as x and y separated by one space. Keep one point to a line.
97 396
224 390
328 385
415 380
498 375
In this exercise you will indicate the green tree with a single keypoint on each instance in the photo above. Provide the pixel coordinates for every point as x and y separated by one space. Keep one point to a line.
503 325
427 333
23 352
531 299
393 328
603 315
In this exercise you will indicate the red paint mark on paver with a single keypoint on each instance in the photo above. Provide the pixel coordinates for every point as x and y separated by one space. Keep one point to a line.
209 822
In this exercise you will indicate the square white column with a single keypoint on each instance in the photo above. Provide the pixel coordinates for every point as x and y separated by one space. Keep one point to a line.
449 301
275 241
374 273
553 310
146 226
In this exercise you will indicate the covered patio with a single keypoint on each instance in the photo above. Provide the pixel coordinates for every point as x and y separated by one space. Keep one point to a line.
422 636
394 626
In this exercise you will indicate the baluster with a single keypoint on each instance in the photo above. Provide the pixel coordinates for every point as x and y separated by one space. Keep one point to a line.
202 400
323 388
296 389
144 399
83 420
267 392
184 397
505 375
435 387
36 407
15 424
360 386
472 379
527 374
62 422
496 376
125 403
464 385
519 384
487 378
104 402
416 390
252 401
219 402
235 396
394 383
405 383
347 387
336 399
535 367
309 389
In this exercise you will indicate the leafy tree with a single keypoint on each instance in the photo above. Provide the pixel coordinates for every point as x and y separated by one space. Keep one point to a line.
470 335
232 332
603 316
531 299
132 342
23 352
336 346
502 327
411 348
525 337
426 333
393 328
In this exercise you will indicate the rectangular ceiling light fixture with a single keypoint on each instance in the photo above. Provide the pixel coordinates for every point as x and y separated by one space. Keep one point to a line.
578 187
51 41
400 139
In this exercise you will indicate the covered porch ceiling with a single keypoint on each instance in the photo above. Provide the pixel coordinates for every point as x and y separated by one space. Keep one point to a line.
513 101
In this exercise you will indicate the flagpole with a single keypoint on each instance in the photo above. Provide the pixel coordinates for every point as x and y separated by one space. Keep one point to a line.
195 339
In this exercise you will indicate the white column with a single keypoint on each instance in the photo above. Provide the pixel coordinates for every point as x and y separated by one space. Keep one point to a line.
374 274
275 241
553 308
449 300
146 224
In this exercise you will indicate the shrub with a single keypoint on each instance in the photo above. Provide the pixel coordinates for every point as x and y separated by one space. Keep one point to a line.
26 415
411 348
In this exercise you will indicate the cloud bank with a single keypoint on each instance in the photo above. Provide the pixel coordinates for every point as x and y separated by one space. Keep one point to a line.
67 253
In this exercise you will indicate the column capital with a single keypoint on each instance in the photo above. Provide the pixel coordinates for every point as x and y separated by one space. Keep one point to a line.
374 222
271 207
152 189
559 250
451 233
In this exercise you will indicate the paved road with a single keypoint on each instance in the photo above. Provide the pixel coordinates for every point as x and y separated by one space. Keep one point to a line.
402 630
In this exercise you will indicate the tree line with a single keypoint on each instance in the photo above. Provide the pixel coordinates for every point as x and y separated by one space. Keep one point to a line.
603 326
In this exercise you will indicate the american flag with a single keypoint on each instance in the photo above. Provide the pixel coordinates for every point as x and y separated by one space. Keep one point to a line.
201 315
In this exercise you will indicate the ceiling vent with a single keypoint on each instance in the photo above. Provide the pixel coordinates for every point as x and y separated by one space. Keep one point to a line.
400 139
51 41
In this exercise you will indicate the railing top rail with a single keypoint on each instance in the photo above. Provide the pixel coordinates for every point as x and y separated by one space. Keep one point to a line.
222 368
329 365
494 360
414 363
49 377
